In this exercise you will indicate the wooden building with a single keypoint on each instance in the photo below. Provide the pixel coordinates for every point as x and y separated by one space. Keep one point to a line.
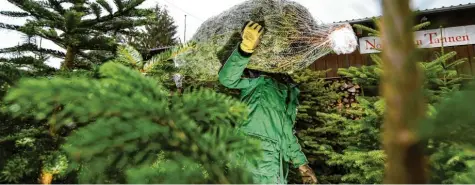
458 19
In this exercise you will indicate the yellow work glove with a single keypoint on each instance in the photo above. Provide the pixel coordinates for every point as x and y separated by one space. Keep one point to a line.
307 174
251 34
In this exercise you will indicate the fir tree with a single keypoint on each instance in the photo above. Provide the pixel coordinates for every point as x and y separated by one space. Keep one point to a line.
449 131
447 161
160 32
76 26
442 77
28 149
346 150
118 141
23 144
194 131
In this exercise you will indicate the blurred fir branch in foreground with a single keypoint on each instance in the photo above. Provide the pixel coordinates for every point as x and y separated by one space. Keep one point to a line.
122 121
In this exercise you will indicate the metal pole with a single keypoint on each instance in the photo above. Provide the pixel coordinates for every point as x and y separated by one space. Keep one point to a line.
184 34
41 53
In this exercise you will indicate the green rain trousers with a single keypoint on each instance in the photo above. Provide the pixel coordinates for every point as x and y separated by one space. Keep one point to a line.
273 109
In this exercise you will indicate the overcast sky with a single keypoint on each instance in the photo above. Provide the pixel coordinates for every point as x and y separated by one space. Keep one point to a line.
198 11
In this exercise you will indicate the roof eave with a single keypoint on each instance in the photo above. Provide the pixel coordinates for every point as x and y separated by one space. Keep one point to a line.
425 12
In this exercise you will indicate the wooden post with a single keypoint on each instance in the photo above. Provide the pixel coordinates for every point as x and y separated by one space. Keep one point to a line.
402 90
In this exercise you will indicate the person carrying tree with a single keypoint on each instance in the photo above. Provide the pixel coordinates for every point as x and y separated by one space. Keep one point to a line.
272 100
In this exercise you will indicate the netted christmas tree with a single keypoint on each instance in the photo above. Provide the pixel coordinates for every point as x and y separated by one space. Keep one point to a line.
292 41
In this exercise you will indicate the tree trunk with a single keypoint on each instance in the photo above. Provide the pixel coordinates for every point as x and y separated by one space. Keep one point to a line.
46 178
68 62
402 89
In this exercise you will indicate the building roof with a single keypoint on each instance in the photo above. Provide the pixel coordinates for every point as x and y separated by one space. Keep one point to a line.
151 52
425 11
160 49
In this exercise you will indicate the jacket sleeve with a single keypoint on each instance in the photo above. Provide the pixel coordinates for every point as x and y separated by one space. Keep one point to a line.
230 74
297 157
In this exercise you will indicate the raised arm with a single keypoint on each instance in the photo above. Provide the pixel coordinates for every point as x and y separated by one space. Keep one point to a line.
230 74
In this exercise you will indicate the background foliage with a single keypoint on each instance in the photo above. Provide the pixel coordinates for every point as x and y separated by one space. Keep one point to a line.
124 122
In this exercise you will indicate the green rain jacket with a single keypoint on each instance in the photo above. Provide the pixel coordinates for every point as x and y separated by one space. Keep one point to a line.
273 109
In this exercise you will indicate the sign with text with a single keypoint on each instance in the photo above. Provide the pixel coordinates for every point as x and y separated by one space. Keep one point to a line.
452 36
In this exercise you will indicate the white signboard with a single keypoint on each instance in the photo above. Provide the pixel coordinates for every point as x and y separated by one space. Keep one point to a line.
452 36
